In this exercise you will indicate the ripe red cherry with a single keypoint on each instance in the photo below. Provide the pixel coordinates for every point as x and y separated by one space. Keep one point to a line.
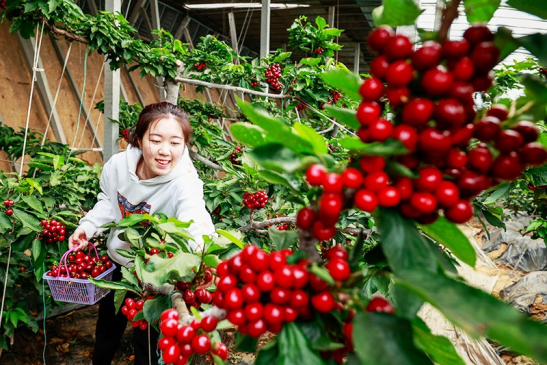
508 167
168 327
371 89
257 328
499 111
456 159
247 275
378 38
463 69
462 91
404 186
299 299
527 130
273 314
260 261
236 317
169 314
9 212
407 135
251 293
379 66
461 137
380 130
485 56
508 140
479 159
429 179
209 324
418 111
305 218
315 174
323 302
399 74
338 269
459 213
410 161
185 333
371 164
265 281
365 200
226 283
487 129
337 252
397 96
398 47
447 194
233 299
300 277
221 351
376 181
352 178
389 197
426 57
478 33
449 114
322 232
253 312
437 81
482 83
379 304
455 49
423 202
189 296
201 344
368 112
534 153
332 183
434 142
171 354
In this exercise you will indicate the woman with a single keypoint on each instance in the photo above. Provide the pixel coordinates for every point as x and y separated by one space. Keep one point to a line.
155 174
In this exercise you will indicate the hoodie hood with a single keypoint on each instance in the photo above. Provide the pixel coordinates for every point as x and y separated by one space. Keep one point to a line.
184 167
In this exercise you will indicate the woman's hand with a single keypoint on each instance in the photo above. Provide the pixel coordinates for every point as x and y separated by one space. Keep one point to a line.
78 240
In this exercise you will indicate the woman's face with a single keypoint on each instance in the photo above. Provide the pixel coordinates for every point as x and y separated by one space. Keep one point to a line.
162 147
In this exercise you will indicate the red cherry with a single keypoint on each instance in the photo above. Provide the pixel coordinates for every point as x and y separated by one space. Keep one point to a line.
463 92
527 130
226 283
418 111
479 159
257 328
260 261
408 136
482 83
398 47
397 96
459 213
185 333
449 114
168 328
368 112
169 314
499 111
233 299
300 277
429 179
9 212
380 130
447 194
533 153
389 197
338 269
399 74
305 218
426 57
485 56
251 293
236 317
332 183
299 299
171 354
337 252
322 232
365 200
456 159
437 81
423 202
201 344
404 186
221 351
462 136
379 66
371 164
379 304
508 167
352 178
376 181
478 33
265 281
323 302
508 141
434 143
253 312
315 174
273 314
455 49
378 38
371 89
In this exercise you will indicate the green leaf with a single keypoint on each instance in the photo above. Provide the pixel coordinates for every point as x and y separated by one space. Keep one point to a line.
347 117
245 343
211 260
275 157
394 168
287 180
5 222
530 6
33 203
402 243
281 57
537 175
27 220
250 134
450 236
322 274
231 237
130 277
161 270
268 354
480 11
388 148
535 43
153 308
356 253
439 348
131 220
112 285
502 190
320 22
345 80
392 342
282 239
407 303
275 127
478 313
396 13
119 297
295 348
317 141
536 87
36 249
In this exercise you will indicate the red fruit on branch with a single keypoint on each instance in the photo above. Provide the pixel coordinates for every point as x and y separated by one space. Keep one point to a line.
437 81
426 57
379 304
378 38
371 89
399 74
368 112
418 111
397 47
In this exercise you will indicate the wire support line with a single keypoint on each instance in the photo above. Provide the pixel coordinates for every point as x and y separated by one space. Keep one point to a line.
81 103
231 87
90 108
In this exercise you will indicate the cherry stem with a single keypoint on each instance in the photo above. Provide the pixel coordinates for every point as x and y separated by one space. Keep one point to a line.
184 315
450 13
257 225
307 244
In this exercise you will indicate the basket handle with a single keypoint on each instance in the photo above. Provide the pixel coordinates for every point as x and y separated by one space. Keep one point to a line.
64 257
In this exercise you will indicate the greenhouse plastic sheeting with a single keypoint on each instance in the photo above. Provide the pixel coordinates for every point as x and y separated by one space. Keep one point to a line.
524 292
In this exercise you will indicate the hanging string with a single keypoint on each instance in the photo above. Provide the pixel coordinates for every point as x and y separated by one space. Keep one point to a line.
81 104
56 94
91 108
245 28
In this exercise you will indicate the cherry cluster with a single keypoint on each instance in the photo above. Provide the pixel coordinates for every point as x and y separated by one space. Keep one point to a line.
194 293
9 204
200 65
81 266
125 134
131 309
52 231
335 96
273 73
255 201
261 291
154 251
300 106
3 4
255 82
179 342
283 227
234 157
318 50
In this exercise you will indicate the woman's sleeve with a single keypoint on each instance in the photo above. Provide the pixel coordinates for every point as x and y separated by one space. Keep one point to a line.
191 207
102 212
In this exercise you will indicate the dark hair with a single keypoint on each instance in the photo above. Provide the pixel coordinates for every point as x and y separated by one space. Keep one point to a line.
153 113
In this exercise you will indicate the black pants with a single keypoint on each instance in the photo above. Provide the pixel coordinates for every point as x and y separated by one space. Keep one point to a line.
111 327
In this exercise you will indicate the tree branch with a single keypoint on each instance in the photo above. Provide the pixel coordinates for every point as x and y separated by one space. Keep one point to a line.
254 226
63 33
230 87
184 315
450 13
203 160
307 244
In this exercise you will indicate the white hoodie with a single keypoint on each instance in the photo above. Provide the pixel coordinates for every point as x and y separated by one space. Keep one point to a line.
177 194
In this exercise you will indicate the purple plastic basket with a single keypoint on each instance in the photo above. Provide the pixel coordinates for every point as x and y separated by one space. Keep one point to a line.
80 291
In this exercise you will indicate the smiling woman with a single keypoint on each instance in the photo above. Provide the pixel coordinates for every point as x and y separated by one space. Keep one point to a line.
155 174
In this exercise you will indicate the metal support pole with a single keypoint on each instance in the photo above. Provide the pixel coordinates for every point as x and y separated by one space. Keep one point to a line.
233 34
136 12
265 29
182 26
43 88
154 8
112 83
356 57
